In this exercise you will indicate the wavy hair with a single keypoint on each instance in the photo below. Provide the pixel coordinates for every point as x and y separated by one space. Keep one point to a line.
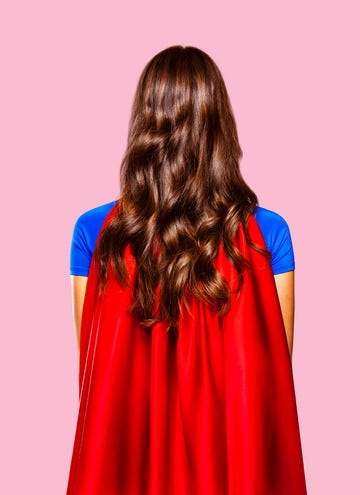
181 190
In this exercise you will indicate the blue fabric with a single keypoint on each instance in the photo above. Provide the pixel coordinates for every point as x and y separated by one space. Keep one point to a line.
273 226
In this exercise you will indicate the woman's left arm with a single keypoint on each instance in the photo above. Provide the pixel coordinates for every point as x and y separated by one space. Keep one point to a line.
286 291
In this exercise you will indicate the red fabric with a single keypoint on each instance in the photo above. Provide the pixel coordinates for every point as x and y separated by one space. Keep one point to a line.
212 413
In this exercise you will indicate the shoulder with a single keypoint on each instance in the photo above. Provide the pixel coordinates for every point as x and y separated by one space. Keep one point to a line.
277 236
269 220
95 215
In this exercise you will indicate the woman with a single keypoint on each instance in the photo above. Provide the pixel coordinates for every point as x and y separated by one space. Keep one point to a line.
184 312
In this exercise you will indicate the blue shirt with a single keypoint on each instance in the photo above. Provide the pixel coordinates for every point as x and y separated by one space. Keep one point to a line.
273 227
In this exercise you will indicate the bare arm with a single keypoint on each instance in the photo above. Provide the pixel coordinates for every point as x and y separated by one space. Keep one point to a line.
78 287
286 291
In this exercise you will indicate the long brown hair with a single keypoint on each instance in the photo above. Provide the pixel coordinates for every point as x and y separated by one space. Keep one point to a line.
181 189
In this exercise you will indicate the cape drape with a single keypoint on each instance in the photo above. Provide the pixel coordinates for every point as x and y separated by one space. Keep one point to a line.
211 412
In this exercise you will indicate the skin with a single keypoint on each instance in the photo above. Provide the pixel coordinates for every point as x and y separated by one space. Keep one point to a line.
78 286
284 284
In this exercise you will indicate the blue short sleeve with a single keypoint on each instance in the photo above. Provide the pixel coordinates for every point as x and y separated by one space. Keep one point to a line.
278 240
80 253
283 253
85 233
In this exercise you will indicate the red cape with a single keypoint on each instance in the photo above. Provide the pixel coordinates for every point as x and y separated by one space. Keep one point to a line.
211 413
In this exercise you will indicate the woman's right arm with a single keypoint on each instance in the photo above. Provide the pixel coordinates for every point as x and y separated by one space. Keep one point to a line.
78 287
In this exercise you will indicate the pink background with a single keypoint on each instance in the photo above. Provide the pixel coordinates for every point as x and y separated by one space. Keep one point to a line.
69 71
